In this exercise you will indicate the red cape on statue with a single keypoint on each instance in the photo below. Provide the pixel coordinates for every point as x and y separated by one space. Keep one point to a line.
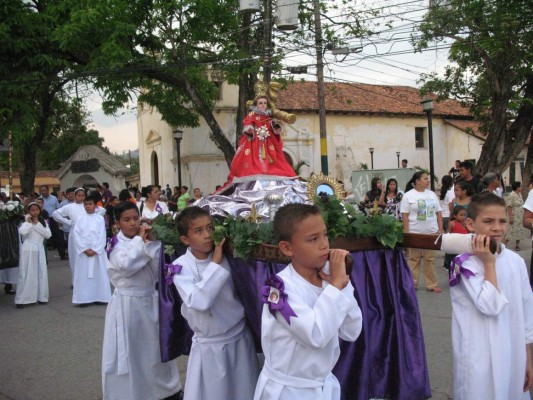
260 152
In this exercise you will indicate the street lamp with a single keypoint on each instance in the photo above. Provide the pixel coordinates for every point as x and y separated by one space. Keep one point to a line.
371 149
178 135
398 157
427 106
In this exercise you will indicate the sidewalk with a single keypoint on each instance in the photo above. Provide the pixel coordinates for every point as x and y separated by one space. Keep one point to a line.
53 351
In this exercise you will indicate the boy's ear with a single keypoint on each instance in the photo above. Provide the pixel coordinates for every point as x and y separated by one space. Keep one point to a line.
184 239
285 248
469 222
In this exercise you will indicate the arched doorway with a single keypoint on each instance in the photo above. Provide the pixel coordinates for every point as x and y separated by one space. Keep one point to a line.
85 180
155 169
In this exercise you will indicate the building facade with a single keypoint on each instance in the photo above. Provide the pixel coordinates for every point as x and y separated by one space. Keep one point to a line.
388 119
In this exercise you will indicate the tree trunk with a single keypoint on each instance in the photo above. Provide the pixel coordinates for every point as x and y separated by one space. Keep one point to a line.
504 143
216 135
28 168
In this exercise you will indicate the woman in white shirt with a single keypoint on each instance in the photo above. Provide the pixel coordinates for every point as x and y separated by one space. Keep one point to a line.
151 207
421 213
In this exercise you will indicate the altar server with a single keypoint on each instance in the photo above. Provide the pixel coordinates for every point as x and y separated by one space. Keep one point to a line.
33 274
222 363
492 311
131 361
306 311
91 283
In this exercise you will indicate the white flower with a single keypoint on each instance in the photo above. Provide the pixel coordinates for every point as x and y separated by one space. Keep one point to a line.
10 207
10 202
2 207
16 203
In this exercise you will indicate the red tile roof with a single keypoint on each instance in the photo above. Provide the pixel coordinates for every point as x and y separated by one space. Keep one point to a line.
38 174
472 127
363 98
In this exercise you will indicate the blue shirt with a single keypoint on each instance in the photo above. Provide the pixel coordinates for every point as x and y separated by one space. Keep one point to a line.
50 203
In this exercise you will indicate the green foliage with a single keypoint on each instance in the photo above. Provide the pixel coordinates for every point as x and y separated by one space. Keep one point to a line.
490 69
342 220
164 229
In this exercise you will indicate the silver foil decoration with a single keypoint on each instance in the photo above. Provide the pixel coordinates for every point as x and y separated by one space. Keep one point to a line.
237 199
273 201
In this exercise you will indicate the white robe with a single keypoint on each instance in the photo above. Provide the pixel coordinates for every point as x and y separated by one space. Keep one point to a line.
69 215
33 272
300 356
131 359
490 329
90 276
222 363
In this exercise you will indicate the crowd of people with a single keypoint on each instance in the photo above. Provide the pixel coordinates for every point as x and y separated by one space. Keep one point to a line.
307 307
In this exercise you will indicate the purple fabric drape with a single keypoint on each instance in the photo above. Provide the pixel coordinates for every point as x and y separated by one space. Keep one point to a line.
175 336
388 360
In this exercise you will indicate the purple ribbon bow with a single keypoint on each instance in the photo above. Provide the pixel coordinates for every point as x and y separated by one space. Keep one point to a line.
111 242
158 208
170 271
457 269
274 294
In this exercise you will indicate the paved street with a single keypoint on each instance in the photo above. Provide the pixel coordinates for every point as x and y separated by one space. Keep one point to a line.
53 351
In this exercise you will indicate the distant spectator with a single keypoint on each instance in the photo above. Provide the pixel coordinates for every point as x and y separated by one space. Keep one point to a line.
390 199
463 192
375 191
110 215
125 195
197 195
466 171
489 183
446 196
168 192
514 202
455 170
184 198
173 200
106 193
50 204
404 163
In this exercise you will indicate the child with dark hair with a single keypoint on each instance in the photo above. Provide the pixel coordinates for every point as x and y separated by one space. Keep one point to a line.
33 274
131 363
222 362
492 311
91 284
306 311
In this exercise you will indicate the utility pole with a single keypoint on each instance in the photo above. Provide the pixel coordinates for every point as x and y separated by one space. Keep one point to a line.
267 67
321 91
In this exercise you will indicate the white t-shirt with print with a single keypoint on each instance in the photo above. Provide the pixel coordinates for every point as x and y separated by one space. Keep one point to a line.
528 204
422 208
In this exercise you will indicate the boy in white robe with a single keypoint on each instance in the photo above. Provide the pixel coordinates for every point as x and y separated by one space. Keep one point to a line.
222 363
492 312
131 358
32 285
91 284
306 311
68 215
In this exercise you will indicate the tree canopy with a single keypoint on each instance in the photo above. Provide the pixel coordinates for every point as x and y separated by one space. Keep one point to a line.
490 70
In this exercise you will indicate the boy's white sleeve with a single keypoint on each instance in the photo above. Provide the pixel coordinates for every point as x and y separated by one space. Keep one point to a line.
199 295
527 304
353 323
61 214
130 257
316 327
101 239
486 298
